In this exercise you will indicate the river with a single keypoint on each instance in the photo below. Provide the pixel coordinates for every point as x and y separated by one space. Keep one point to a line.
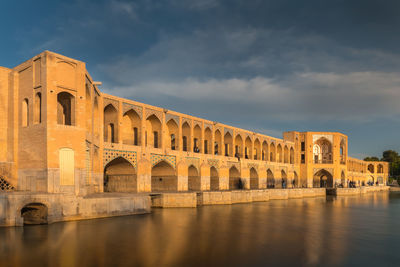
343 231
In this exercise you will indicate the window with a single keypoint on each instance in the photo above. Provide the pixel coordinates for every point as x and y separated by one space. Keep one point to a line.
303 146
172 141
226 150
303 158
38 108
205 147
215 148
155 136
65 107
135 136
195 148
262 155
111 133
25 113
184 143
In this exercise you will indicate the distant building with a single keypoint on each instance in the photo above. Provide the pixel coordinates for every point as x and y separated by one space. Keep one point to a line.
60 134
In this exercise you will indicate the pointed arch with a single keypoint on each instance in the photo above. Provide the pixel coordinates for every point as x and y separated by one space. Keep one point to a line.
194 183
65 108
265 151
186 137
239 146
25 113
217 142
120 176
254 181
153 131
228 143
272 152
257 150
323 178
279 155
131 128
173 135
248 150
286 154
235 181
295 182
197 139
163 178
214 179
38 107
292 161
110 124
207 141
270 179
284 179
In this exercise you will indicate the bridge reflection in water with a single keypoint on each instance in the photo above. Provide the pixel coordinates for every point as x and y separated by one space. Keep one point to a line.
340 231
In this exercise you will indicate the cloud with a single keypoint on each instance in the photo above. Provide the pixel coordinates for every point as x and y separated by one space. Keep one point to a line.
356 96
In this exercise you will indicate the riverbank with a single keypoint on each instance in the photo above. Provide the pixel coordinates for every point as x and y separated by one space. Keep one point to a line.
17 208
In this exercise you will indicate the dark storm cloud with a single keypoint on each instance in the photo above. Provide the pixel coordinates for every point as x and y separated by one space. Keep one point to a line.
266 65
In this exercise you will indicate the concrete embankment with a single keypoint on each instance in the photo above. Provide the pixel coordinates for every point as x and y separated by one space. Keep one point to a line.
17 206
355 191
190 200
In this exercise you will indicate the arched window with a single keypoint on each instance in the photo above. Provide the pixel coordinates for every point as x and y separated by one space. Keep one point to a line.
38 108
65 109
25 113
184 143
172 141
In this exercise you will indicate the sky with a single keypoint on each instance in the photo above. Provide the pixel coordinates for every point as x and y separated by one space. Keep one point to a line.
266 66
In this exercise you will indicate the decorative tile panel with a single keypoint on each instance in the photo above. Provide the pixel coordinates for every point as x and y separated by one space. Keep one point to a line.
111 154
4 185
236 164
113 102
154 112
169 117
156 158
193 161
137 109
252 165
213 163
188 121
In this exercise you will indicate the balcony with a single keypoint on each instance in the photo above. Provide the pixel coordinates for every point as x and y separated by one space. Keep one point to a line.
323 161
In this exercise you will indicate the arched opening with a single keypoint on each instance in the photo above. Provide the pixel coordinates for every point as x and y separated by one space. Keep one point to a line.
228 143
295 181
25 113
120 176
380 180
343 152
110 124
272 155
264 154
214 179
88 107
343 179
234 179
248 153
380 168
163 178
257 150
207 141
238 146
286 155
131 128
323 179
38 108
217 143
194 183
371 180
284 179
96 118
270 179
254 184
279 155
173 134
186 137
197 141
34 213
65 109
371 168
153 131
322 151
291 155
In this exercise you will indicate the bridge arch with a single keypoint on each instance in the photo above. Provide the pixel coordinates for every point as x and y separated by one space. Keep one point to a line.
254 183
214 179
34 213
120 176
234 179
270 179
194 183
163 178
323 178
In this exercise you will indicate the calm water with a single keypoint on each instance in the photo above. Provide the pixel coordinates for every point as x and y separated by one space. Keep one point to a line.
347 231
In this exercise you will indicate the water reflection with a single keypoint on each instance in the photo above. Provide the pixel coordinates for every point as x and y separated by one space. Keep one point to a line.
345 231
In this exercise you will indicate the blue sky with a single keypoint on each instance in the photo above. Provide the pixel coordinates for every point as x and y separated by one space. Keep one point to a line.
267 66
